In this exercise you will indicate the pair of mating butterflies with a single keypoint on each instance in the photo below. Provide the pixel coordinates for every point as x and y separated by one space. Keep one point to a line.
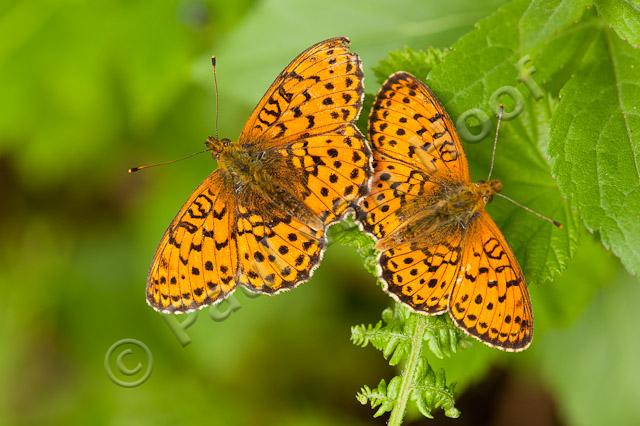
300 164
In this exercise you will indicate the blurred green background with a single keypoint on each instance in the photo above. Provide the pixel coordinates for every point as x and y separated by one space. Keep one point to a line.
90 88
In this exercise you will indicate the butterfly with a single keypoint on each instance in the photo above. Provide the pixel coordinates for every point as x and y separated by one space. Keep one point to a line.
440 251
259 219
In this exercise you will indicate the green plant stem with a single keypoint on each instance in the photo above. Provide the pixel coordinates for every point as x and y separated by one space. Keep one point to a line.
408 373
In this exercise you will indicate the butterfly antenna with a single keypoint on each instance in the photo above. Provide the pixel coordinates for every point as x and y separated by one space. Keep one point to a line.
164 163
530 210
215 84
495 140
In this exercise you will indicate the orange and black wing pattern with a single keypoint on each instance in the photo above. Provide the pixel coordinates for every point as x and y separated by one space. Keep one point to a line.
422 277
196 259
319 91
415 145
276 251
302 136
217 242
490 300
307 116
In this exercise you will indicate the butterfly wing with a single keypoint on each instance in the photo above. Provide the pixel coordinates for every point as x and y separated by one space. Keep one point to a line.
195 262
306 118
409 125
218 241
491 301
415 146
320 90
422 276
276 250
332 169
302 131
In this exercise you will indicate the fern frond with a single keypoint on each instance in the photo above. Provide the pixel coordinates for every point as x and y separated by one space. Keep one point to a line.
382 397
431 391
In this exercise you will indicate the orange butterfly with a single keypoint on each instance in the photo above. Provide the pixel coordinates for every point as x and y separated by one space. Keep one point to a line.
259 220
440 250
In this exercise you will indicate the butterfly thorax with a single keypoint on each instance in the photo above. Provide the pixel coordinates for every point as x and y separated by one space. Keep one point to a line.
260 176
465 201
244 166
448 210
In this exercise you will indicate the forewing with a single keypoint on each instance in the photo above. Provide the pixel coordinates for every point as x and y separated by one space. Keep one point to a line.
195 262
320 90
422 277
395 187
408 124
333 170
491 300
415 151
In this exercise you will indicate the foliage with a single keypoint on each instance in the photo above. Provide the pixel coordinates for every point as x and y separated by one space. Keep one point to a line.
419 61
595 144
430 391
624 17
403 337
392 335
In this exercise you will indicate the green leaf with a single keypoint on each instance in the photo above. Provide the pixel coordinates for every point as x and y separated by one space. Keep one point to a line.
383 396
480 65
401 337
420 62
392 338
348 233
545 18
624 17
431 391
595 145
393 335
552 63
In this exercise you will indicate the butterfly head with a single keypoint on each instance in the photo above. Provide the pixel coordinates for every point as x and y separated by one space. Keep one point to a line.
486 189
216 146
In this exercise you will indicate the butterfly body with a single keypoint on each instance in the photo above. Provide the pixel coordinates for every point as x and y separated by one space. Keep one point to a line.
460 202
266 177
245 165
